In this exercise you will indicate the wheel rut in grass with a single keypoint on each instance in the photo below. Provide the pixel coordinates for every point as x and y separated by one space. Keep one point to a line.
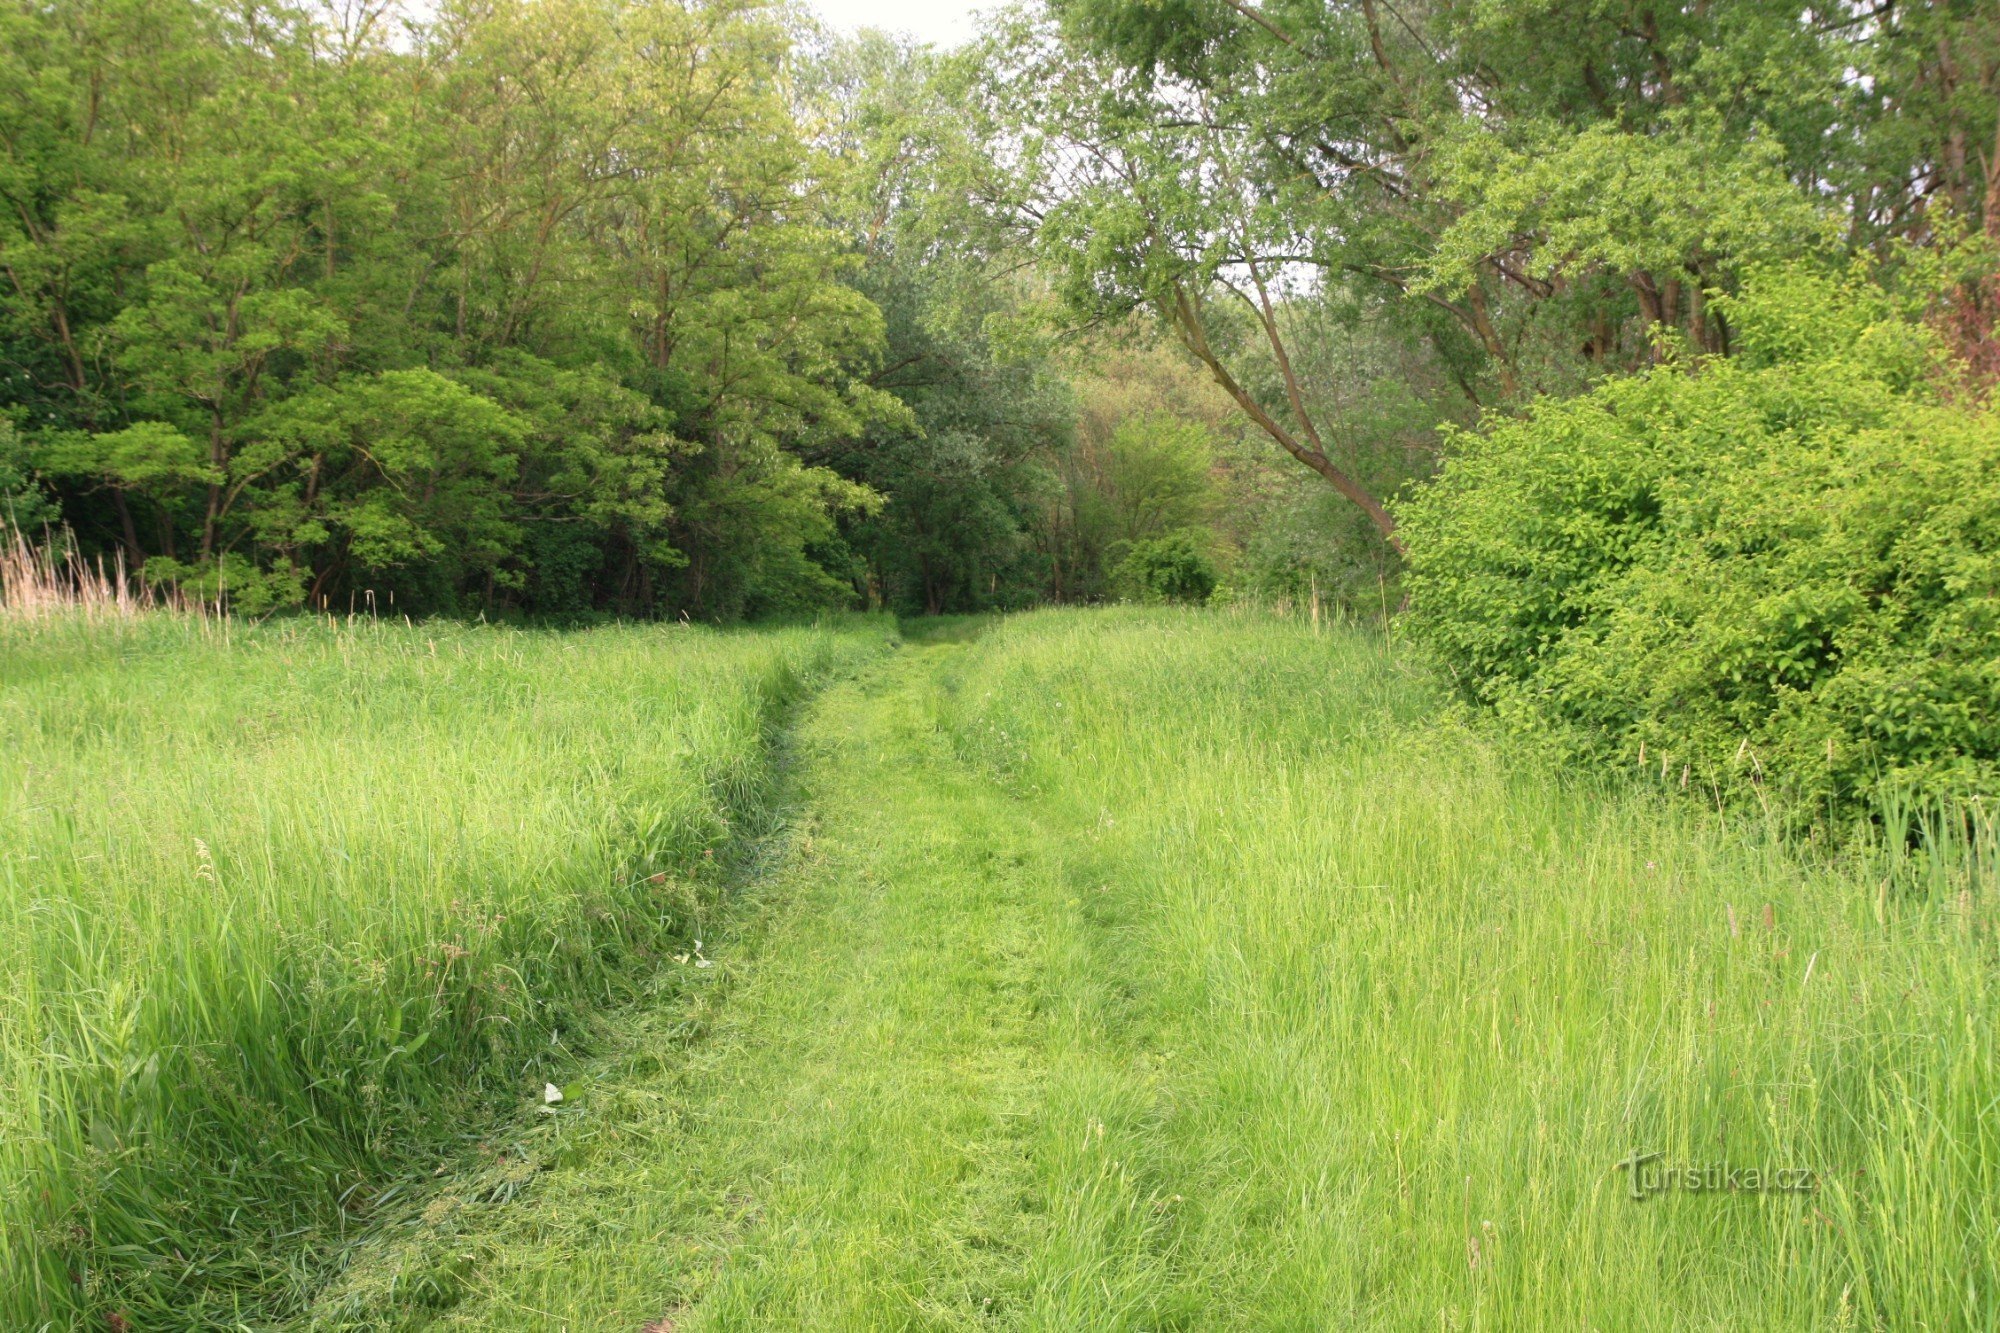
855 1118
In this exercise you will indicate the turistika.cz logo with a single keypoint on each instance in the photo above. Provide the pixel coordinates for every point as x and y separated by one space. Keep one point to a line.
1649 1173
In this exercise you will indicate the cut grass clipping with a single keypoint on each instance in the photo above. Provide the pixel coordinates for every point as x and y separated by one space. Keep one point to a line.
281 906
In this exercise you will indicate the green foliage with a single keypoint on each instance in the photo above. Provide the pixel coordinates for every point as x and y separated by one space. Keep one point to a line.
148 457
754 529
1537 193
705 261
229 583
962 468
419 466
1154 478
1377 389
1603 200
1778 571
24 506
1305 542
303 307
1172 567
1136 473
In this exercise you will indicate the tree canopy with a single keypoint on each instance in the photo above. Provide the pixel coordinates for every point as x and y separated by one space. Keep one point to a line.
662 307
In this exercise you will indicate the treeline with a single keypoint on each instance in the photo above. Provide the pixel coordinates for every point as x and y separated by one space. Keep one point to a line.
548 307
515 303
1519 199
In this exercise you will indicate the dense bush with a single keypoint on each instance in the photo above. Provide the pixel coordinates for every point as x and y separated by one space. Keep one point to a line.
1774 572
1173 567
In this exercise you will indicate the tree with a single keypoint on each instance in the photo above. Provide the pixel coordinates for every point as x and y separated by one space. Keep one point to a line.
963 471
1538 190
341 306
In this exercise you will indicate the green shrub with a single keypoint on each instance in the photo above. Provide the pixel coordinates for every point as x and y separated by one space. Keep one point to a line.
1775 572
1173 567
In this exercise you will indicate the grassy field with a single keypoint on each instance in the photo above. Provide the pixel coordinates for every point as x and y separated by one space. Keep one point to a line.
1397 1004
1106 970
1177 971
285 911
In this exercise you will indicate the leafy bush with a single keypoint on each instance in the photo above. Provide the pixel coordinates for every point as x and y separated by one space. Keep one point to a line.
1773 572
1173 567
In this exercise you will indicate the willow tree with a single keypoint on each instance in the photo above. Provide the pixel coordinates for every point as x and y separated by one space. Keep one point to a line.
1544 191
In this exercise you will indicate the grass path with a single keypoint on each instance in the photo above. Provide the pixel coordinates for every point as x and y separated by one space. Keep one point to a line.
855 1118
1160 971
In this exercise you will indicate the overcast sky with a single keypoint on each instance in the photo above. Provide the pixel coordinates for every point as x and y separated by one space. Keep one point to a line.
940 22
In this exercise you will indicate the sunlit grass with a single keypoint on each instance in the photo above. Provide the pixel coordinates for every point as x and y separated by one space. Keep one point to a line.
1120 970
284 908
1403 1001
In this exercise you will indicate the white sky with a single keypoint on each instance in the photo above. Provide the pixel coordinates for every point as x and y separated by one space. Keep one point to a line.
939 22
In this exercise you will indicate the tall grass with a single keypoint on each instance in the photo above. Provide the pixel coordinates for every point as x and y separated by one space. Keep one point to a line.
1398 1003
53 579
282 908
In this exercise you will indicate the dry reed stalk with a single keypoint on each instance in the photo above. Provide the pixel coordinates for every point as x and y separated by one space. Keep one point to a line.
54 579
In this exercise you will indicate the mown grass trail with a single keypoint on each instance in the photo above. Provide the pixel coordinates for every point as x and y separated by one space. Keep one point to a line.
856 1134
1159 971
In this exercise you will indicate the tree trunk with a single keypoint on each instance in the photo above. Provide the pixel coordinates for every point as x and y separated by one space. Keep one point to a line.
1194 335
218 456
130 530
1489 338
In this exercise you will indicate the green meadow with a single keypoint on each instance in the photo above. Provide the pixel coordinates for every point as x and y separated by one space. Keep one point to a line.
1109 969
281 907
